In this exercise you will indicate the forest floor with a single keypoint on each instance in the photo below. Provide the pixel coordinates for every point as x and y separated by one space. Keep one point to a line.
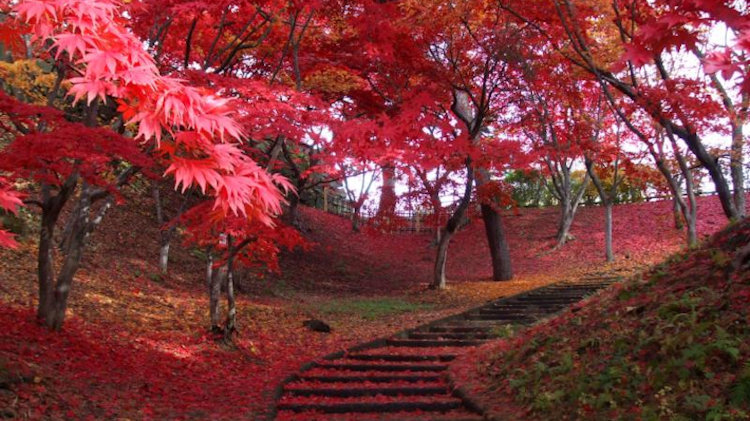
140 336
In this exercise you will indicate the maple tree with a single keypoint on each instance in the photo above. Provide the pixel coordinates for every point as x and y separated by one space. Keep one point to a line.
89 40
561 125
633 48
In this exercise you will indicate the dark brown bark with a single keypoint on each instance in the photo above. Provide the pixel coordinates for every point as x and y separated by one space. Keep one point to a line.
216 280
498 243
54 290
495 234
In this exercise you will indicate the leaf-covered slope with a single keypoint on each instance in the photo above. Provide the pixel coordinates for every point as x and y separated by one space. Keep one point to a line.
673 343
375 262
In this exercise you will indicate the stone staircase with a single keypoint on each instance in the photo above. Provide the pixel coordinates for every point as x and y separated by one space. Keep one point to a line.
401 377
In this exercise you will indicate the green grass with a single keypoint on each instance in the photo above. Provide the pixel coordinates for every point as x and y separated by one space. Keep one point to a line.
371 308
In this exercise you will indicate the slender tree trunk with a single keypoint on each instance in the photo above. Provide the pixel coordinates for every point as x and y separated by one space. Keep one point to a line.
496 239
209 267
690 210
441 257
217 279
165 235
164 253
164 239
230 325
569 202
388 199
677 215
608 231
711 164
355 218
439 281
737 169
607 201
437 208
45 268
563 226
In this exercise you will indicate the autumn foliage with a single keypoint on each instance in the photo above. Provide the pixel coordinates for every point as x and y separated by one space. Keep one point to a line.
234 115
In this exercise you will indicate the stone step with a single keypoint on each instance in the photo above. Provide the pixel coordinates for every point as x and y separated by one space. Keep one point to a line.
511 313
426 343
548 300
402 358
448 335
368 391
372 378
380 407
499 315
499 319
452 415
380 366
528 308
458 328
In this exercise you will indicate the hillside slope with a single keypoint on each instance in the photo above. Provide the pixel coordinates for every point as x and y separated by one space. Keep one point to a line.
673 343
374 262
141 336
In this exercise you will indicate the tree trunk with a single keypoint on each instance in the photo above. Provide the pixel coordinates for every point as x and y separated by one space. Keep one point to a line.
563 226
45 268
230 325
569 202
493 227
679 222
53 300
165 235
711 164
496 240
291 216
608 231
737 170
607 201
164 253
355 218
437 210
441 257
217 279
438 281
388 199
690 210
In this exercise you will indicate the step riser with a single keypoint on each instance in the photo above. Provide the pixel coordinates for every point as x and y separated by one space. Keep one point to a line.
443 329
349 393
432 344
403 358
371 407
448 336
383 367
371 379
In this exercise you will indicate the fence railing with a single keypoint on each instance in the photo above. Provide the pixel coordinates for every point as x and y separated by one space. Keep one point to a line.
402 221
409 221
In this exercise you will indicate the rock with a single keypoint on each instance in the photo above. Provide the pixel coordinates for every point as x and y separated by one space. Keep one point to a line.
317 325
